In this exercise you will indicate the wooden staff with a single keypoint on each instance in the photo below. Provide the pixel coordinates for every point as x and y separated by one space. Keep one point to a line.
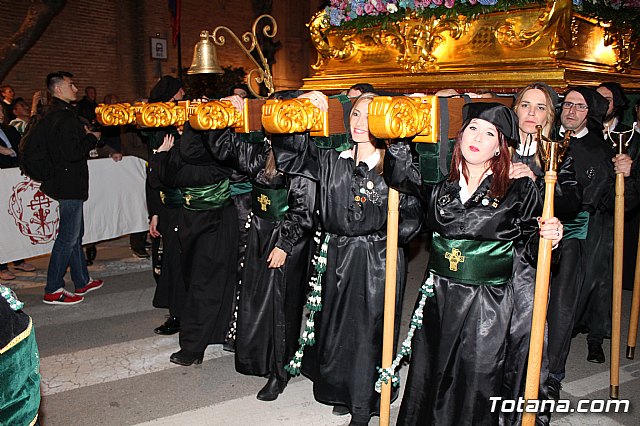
389 301
635 308
616 296
552 153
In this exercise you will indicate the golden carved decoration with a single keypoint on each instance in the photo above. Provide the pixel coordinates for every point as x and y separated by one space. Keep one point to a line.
159 114
294 116
623 45
401 117
210 115
215 115
419 37
116 114
509 49
552 21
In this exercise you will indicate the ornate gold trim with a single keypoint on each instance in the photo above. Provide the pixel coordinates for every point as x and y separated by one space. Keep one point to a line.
401 117
294 116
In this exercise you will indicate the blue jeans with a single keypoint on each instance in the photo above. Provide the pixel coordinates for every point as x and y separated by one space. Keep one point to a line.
67 250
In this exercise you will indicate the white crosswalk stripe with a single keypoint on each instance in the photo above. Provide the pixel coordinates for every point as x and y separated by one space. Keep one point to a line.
61 373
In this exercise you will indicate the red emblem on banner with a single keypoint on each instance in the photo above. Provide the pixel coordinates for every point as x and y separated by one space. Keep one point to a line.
31 211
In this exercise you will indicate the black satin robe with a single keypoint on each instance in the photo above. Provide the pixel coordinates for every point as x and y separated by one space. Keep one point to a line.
594 305
271 300
342 363
208 243
474 341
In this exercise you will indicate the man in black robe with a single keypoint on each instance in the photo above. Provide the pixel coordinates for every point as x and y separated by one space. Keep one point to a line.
594 305
582 259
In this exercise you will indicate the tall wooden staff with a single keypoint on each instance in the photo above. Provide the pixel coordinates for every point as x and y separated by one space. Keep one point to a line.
552 154
635 308
616 296
389 300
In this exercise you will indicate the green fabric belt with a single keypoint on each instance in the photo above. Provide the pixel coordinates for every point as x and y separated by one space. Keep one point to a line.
240 188
471 261
20 391
207 197
340 142
172 198
269 204
577 228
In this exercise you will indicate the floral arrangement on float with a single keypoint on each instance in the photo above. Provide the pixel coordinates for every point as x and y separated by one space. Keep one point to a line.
367 13
475 43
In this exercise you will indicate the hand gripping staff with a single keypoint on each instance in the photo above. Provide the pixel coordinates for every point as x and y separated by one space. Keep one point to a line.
552 154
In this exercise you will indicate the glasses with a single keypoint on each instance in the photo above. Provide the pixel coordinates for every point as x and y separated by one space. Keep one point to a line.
579 107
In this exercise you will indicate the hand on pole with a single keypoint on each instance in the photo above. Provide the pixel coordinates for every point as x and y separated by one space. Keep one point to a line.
551 229
236 101
318 99
622 164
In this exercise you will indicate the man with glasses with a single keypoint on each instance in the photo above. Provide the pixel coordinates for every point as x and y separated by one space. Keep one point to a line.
582 259
594 305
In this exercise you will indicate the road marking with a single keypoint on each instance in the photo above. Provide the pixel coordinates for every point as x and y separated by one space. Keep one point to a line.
585 419
64 372
588 385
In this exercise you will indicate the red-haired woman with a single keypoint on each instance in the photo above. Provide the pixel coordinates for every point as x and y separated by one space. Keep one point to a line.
483 224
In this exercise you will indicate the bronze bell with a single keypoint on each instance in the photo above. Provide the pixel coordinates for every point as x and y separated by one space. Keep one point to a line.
205 59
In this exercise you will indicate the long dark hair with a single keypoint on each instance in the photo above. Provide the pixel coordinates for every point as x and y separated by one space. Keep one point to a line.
499 164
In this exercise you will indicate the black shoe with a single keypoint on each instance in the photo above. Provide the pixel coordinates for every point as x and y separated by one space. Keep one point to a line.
91 252
140 253
596 354
186 358
170 326
357 423
272 389
553 388
340 410
229 345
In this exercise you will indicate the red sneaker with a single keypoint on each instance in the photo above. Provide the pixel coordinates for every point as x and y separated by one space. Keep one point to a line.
93 285
62 297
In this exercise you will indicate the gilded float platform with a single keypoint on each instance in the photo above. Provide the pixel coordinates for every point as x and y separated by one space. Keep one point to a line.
498 50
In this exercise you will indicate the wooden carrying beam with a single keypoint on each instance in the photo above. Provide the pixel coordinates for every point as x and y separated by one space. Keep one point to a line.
390 117
217 114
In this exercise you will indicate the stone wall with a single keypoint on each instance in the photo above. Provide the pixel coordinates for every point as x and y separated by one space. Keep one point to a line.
106 43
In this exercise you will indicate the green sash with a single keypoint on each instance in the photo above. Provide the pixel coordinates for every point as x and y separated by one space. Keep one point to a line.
172 198
240 188
269 204
471 261
577 227
209 197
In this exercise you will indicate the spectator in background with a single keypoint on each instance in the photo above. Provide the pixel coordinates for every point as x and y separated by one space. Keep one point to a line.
69 146
9 140
22 112
87 105
7 94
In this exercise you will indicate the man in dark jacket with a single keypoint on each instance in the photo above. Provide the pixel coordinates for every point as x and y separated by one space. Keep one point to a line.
69 145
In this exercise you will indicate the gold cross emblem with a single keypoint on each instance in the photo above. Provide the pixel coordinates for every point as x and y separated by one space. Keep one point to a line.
454 258
264 202
187 199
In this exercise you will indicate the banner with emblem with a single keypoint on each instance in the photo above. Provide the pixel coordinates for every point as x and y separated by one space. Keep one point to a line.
29 219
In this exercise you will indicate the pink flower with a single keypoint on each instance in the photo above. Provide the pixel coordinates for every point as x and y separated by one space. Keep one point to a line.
449 3
381 6
359 10
369 9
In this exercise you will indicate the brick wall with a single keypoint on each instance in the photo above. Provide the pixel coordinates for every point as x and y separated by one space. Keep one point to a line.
106 43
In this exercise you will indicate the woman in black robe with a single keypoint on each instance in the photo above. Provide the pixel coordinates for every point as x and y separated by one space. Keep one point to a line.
484 228
353 213
208 238
536 105
277 258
